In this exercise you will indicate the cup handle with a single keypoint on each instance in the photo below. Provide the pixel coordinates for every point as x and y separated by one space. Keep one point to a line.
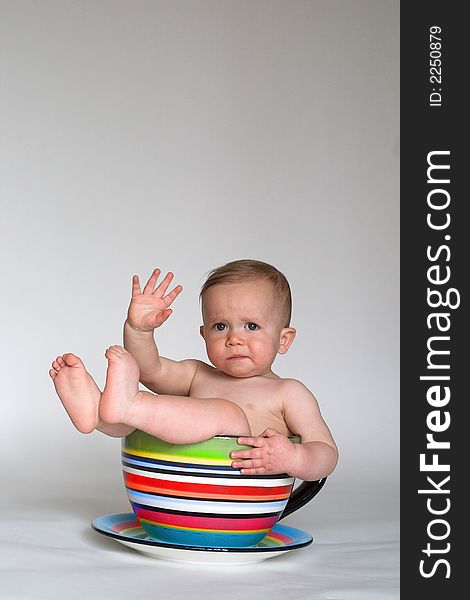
301 495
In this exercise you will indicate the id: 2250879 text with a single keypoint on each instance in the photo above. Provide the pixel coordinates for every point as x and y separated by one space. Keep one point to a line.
435 66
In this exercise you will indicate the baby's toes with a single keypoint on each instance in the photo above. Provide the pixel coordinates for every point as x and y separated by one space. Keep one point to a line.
70 360
52 373
111 352
117 351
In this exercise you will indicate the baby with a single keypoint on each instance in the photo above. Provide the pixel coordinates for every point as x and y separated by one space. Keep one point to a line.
246 309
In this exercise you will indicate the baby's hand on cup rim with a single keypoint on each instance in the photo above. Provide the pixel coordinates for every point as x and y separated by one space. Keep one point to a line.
272 453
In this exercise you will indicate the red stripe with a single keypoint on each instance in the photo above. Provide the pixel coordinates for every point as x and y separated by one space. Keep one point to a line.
126 525
205 522
282 537
207 490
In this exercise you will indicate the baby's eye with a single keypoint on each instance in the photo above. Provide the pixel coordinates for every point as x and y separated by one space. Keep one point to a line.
220 326
252 326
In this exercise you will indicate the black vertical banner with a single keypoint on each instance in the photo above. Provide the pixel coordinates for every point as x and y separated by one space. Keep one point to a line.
434 298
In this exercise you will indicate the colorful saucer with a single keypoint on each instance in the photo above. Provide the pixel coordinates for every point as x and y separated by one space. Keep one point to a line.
125 528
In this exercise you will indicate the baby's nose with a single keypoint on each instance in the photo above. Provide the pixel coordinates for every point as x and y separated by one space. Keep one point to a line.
235 338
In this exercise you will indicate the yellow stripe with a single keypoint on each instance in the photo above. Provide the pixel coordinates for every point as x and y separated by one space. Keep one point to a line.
183 459
273 541
132 531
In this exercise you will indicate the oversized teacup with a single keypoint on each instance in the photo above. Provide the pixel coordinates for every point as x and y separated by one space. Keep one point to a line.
190 495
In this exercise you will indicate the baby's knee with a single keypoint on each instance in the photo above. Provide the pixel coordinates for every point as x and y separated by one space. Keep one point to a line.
235 421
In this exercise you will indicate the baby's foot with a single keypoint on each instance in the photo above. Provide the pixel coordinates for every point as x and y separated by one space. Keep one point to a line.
77 391
122 386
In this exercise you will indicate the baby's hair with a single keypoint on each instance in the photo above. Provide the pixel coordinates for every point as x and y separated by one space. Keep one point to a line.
242 270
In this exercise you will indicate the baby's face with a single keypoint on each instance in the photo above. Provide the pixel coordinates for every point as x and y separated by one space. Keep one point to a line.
242 327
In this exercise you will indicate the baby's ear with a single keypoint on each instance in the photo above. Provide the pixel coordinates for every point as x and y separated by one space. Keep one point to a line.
286 339
201 330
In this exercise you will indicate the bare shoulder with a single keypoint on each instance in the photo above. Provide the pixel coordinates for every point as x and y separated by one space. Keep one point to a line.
202 375
293 389
195 368
302 413
193 363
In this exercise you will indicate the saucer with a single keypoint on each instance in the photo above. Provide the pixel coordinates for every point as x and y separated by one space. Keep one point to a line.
125 528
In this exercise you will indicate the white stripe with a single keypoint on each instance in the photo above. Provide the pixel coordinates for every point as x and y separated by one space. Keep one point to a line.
195 505
211 480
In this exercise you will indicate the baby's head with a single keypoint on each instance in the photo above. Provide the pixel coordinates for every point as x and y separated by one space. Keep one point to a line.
246 309
254 272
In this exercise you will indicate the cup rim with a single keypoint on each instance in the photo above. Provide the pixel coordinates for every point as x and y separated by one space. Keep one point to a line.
215 437
235 437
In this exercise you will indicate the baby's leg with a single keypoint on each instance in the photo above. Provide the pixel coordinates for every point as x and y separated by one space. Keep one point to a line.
174 419
80 396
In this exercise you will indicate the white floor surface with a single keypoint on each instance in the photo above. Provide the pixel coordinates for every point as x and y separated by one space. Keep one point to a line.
49 551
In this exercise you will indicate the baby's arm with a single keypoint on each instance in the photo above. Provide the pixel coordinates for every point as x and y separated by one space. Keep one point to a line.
317 455
147 311
313 459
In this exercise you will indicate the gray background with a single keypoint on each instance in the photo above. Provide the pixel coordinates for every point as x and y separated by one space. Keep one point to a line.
185 134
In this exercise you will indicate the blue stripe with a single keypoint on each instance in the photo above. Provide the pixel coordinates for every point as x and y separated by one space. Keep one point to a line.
203 538
155 501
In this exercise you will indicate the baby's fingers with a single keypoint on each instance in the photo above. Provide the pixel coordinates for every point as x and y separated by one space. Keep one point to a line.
254 471
149 286
248 464
251 441
250 467
135 286
162 317
168 299
255 453
163 285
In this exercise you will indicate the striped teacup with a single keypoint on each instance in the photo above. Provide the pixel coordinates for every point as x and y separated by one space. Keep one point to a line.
190 495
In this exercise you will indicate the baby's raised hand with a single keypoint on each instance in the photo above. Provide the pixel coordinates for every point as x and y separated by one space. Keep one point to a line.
273 453
150 309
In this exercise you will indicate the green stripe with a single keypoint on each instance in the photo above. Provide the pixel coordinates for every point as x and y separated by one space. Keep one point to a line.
216 448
